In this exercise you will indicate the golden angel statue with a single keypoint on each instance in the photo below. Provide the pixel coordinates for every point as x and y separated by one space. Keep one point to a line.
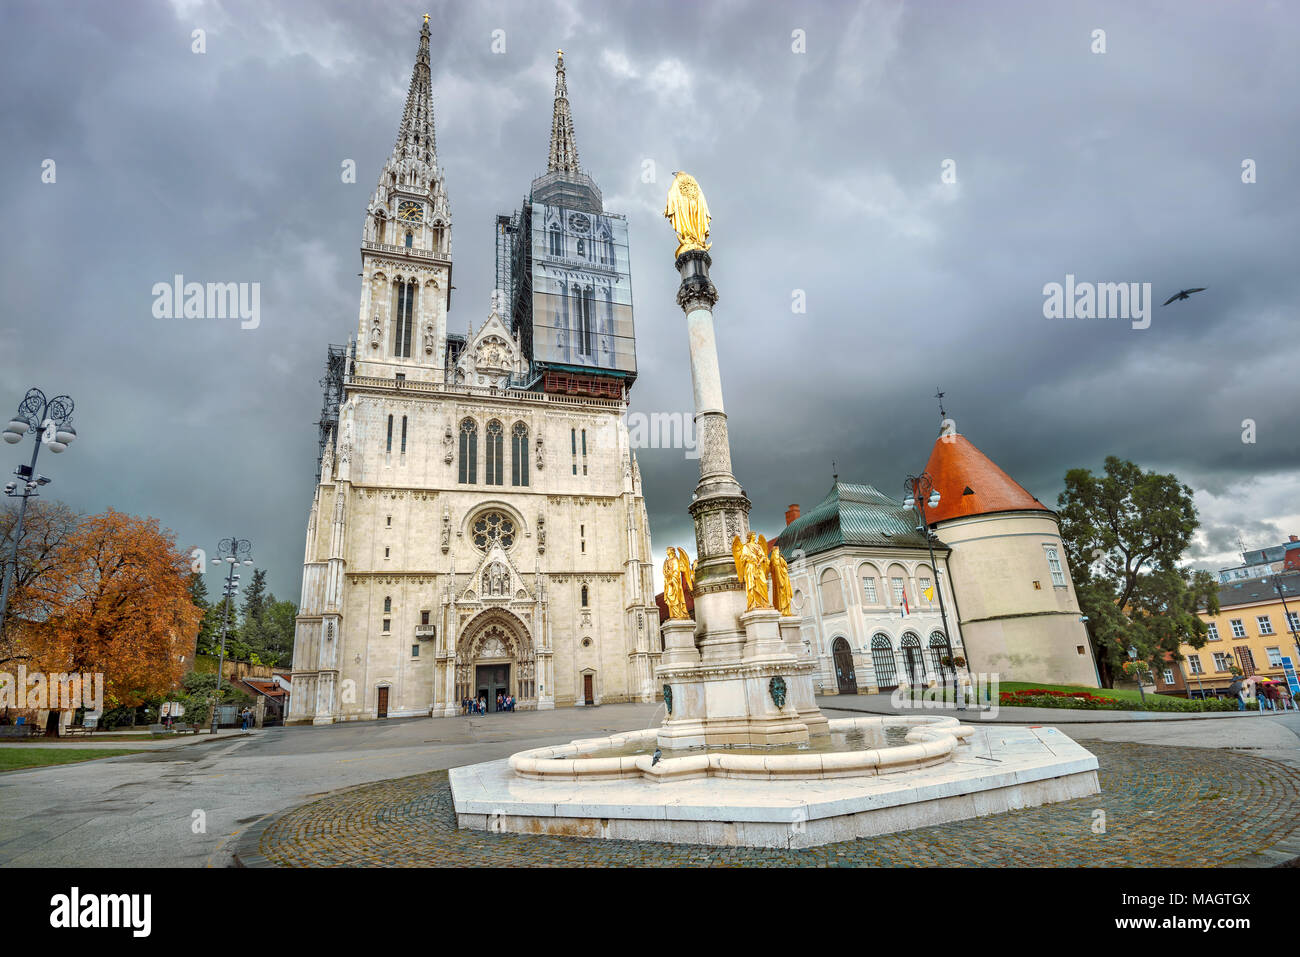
688 211
676 566
781 590
752 567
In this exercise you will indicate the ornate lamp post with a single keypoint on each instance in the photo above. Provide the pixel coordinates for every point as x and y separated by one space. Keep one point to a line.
921 494
51 422
233 552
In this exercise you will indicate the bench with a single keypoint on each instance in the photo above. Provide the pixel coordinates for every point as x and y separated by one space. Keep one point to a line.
158 731
185 728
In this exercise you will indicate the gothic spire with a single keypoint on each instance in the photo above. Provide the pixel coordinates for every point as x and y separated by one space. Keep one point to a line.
415 136
564 148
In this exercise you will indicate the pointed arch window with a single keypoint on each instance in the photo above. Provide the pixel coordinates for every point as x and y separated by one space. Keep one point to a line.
584 596
555 239
468 452
494 454
519 454
410 239
404 310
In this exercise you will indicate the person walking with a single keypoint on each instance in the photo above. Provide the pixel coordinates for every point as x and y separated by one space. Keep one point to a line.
1236 690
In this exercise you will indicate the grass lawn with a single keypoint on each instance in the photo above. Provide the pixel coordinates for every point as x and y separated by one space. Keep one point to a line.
12 759
64 740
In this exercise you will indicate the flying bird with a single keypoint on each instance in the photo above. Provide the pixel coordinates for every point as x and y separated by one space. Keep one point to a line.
1183 294
658 755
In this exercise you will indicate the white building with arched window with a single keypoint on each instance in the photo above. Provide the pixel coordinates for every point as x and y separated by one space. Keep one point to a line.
867 594
474 530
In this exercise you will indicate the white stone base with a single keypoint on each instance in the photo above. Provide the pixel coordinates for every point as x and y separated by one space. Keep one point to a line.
1032 766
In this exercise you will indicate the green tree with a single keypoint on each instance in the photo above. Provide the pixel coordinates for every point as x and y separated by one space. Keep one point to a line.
210 628
1125 533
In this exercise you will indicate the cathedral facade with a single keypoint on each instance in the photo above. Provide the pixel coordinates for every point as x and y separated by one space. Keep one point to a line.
478 525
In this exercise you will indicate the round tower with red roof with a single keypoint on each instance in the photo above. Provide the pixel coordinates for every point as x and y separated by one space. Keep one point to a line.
1018 611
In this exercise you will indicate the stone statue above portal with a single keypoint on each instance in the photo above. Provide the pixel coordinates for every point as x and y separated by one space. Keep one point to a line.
688 212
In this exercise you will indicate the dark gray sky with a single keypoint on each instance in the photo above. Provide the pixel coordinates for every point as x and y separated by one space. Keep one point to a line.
822 171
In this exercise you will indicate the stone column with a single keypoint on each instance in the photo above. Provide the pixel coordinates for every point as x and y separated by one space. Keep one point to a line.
719 506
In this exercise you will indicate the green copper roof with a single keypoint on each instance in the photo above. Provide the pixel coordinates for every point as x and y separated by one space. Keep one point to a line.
853 515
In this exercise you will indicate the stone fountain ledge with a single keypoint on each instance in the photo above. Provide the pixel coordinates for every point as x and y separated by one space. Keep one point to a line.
995 770
932 741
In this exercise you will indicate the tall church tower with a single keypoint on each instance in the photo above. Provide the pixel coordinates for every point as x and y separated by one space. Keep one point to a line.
478 527
406 249
564 271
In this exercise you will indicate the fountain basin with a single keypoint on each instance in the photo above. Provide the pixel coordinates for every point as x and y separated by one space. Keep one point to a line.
855 746
996 769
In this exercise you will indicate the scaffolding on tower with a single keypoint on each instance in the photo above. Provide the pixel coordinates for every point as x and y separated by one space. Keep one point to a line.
337 365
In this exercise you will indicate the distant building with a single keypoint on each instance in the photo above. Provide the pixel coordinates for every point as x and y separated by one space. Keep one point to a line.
1264 561
866 592
1015 598
1258 624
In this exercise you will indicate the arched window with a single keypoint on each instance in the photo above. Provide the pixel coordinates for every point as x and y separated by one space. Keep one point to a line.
584 596
468 452
410 239
404 311
388 604
832 595
939 650
555 240
494 456
912 658
519 454
882 660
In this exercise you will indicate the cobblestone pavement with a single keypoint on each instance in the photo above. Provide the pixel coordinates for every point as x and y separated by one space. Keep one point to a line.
1165 806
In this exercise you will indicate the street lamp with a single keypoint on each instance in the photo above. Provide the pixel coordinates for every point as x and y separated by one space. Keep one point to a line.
1137 670
233 552
51 421
921 494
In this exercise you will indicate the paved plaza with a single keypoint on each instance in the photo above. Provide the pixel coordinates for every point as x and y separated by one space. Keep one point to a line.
1212 792
1164 807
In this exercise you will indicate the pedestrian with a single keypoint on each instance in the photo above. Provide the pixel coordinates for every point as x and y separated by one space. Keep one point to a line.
1237 690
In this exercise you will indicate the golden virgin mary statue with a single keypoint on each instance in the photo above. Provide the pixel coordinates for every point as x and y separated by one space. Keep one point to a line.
688 211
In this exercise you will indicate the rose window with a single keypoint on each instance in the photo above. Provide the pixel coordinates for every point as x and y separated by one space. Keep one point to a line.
493 528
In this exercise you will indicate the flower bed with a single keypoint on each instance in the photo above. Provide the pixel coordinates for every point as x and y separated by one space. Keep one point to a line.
1045 698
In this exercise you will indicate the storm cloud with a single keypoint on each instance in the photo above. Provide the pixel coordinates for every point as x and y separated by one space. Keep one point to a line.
821 134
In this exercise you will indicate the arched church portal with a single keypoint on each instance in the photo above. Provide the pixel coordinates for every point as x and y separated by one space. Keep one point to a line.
496 656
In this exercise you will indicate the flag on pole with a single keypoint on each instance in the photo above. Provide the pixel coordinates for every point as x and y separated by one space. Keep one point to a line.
929 594
904 610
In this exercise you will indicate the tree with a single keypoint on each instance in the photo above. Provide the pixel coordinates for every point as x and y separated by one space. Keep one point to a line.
210 627
47 528
255 600
1125 533
116 600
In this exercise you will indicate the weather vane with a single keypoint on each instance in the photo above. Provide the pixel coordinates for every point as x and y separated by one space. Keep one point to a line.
939 395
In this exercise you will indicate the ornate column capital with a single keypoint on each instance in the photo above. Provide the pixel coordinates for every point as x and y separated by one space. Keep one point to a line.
697 290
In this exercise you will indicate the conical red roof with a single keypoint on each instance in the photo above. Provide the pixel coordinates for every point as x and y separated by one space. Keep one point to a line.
970 484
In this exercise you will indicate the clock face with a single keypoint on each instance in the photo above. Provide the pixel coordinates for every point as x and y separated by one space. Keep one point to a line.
409 212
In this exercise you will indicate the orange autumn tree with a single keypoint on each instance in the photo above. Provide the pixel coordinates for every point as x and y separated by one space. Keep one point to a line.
116 602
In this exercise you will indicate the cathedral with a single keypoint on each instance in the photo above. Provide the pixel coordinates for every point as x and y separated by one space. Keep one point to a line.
478 526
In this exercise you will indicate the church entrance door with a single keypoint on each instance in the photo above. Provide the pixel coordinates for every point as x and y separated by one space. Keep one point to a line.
491 681
588 697
383 703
